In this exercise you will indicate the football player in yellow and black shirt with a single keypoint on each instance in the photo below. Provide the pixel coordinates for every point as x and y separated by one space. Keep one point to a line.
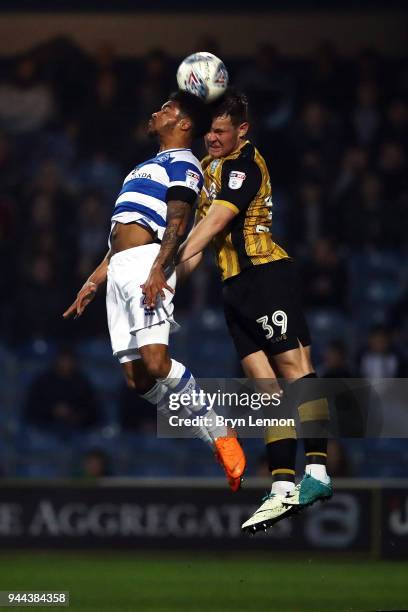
261 301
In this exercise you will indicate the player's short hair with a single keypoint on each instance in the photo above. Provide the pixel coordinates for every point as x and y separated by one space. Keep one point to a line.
195 109
233 104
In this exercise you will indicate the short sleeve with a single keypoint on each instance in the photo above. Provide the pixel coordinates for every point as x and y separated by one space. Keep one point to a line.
241 180
186 181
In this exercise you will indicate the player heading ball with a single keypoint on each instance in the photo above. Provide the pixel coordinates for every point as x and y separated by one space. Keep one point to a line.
149 219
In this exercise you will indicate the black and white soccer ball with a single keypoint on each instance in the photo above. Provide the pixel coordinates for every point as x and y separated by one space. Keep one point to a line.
204 75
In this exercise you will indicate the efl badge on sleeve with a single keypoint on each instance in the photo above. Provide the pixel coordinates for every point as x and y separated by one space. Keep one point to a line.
236 179
192 179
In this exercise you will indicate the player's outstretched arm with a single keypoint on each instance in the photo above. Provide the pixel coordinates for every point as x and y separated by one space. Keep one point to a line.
186 268
178 213
88 291
216 220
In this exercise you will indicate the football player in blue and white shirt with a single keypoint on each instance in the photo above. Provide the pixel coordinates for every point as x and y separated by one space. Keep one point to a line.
149 220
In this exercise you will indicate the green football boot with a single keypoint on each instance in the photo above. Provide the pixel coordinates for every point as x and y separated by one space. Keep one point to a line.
308 491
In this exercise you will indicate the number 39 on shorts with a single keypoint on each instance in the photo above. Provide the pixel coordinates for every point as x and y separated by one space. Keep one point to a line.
278 318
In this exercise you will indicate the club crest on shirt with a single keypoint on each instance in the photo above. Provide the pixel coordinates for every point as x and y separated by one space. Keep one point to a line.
192 179
162 159
236 179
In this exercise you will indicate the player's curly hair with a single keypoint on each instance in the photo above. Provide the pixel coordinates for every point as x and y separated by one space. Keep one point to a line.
195 109
233 104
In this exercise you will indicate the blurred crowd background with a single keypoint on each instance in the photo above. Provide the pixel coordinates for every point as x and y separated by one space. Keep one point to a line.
334 132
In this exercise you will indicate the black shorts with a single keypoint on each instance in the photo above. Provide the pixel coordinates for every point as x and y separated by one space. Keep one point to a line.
263 310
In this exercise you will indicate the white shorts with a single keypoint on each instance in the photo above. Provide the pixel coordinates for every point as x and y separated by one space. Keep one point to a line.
131 325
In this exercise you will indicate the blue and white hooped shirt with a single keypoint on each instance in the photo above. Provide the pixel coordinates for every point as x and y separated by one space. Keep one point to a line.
174 174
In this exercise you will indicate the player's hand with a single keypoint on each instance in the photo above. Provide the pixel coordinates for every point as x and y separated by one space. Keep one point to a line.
85 295
155 286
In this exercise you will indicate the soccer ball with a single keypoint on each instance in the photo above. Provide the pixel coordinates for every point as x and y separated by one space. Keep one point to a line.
204 75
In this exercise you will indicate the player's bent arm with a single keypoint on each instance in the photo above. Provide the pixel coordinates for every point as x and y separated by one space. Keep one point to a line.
216 220
178 213
89 288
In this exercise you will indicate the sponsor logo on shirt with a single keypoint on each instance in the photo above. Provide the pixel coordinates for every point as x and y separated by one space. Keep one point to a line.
192 179
236 179
136 173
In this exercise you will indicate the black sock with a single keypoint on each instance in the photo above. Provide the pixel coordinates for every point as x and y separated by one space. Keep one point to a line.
313 412
316 450
282 459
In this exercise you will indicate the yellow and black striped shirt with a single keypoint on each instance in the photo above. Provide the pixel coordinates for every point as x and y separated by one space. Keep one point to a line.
241 182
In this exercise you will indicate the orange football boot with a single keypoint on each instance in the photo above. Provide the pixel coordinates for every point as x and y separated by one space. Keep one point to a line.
232 458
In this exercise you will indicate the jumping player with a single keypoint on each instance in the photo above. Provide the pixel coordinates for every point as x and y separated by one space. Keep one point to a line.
261 303
149 219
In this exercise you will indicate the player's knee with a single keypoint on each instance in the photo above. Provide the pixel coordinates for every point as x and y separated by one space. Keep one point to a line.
157 364
158 369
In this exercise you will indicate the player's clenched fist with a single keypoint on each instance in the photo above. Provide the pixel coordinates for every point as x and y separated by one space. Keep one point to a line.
85 295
